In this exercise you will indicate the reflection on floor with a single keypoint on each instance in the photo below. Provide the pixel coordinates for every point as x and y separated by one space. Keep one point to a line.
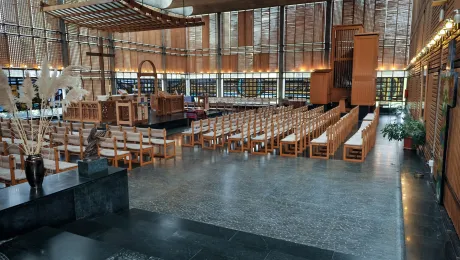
429 233
345 207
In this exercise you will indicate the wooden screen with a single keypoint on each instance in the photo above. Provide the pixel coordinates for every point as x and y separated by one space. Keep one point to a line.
364 69
342 54
391 19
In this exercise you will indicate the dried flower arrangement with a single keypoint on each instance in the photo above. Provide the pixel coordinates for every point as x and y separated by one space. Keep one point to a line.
47 84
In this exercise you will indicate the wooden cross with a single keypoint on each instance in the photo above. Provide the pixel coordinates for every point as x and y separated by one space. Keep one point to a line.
101 56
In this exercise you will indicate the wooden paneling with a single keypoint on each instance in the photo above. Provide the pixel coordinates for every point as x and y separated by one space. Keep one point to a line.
246 28
205 33
452 174
320 87
229 63
261 62
365 69
338 93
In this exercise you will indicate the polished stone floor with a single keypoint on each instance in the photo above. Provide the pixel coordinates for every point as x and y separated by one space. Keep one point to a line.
429 233
351 208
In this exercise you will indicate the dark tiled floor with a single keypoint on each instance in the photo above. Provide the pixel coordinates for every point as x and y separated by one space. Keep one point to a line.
350 208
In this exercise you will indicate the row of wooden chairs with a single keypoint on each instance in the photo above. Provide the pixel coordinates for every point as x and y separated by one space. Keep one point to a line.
312 127
238 133
227 129
155 137
327 144
281 128
359 145
194 135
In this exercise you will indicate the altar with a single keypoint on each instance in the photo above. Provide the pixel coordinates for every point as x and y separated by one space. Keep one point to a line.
126 109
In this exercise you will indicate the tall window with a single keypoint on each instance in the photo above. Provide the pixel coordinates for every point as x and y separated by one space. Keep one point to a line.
261 88
175 85
297 88
199 87
390 89
130 85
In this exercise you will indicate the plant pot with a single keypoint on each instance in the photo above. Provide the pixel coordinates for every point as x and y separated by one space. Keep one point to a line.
408 143
35 170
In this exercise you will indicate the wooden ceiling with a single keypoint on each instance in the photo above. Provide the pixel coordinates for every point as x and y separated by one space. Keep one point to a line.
118 16
215 6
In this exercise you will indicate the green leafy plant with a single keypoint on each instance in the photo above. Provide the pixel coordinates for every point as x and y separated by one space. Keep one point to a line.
408 128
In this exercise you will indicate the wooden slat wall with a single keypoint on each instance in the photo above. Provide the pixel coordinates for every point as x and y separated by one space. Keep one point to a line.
245 28
425 24
261 62
202 46
453 165
305 37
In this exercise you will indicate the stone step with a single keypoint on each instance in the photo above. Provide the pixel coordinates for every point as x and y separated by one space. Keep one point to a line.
50 243
169 237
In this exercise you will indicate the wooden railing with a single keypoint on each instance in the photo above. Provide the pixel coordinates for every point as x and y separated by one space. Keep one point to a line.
91 111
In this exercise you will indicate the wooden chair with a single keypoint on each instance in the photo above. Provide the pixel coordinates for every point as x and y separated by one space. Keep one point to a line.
121 139
134 144
57 139
158 138
192 134
127 129
9 175
73 145
107 148
16 151
52 162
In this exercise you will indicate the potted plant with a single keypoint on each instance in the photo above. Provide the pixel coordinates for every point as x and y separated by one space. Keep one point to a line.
31 139
408 129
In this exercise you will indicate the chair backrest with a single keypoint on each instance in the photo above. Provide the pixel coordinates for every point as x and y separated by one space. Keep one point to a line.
61 129
108 142
118 134
144 131
158 134
5 125
58 138
133 137
130 129
76 140
89 125
13 149
7 162
76 126
66 124
50 154
55 123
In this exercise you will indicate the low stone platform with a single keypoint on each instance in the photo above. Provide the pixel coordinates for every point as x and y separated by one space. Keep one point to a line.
64 198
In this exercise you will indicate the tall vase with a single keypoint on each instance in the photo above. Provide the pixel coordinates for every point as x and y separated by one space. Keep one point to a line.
35 170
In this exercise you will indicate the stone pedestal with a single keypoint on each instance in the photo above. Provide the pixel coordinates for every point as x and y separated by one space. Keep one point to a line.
92 166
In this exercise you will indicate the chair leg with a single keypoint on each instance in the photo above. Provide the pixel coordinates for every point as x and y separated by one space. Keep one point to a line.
129 162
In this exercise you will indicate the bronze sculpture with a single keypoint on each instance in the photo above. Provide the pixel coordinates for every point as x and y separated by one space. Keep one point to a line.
91 149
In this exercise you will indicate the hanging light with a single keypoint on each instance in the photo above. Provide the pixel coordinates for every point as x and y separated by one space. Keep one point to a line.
449 25
437 37
442 32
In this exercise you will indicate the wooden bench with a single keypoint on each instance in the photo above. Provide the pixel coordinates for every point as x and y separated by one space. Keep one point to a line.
359 145
329 141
